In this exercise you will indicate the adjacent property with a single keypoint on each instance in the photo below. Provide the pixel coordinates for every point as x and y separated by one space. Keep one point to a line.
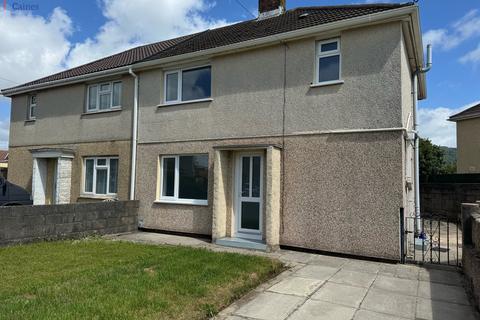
294 129
468 140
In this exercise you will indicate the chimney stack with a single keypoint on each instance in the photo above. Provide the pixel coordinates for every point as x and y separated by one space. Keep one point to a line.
270 8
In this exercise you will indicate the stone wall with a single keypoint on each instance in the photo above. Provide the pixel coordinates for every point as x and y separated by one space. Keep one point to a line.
471 249
447 198
32 223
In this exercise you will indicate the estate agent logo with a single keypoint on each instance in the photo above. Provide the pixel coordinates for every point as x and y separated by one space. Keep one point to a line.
20 6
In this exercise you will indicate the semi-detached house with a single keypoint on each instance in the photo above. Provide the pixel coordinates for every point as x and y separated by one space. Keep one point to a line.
291 129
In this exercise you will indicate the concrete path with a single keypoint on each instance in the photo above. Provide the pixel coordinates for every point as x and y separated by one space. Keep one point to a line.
330 288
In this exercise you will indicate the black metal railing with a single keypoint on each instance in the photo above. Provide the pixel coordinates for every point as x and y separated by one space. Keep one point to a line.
434 239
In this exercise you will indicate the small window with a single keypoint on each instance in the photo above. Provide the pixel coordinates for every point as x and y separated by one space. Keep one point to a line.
104 96
32 107
328 61
101 176
184 179
188 85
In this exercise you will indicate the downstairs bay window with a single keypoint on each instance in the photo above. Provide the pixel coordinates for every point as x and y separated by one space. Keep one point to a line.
184 179
100 176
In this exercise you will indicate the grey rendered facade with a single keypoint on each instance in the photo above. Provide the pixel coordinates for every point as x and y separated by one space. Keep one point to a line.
336 160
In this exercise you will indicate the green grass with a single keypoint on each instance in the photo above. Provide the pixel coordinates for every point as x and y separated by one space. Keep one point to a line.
100 279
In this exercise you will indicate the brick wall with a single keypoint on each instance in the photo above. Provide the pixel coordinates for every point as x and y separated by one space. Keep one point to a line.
471 249
31 223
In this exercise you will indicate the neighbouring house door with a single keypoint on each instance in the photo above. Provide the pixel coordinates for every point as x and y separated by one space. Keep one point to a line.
249 195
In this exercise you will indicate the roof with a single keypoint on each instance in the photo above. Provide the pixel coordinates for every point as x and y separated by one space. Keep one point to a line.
3 156
291 20
472 112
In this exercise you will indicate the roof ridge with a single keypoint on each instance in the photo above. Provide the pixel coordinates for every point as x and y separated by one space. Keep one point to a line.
358 5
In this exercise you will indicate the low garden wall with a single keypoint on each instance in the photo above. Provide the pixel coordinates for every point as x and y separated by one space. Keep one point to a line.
446 198
471 249
31 223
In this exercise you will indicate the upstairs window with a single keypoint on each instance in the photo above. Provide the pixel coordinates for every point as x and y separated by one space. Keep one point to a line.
32 107
328 61
100 176
188 85
104 96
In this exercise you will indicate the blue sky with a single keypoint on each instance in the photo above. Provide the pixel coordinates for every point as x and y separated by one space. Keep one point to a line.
74 32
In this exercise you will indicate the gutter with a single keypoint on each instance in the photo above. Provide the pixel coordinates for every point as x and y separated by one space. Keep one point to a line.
375 18
133 169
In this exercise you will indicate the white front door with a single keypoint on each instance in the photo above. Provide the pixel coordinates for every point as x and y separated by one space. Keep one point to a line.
249 195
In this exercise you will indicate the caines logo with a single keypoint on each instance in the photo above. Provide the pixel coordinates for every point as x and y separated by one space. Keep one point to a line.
20 6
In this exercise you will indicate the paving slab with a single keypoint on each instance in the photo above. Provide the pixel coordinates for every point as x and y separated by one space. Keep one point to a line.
340 294
297 286
320 310
441 276
316 272
362 266
407 272
398 285
370 315
354 278
327 261
269 306
391 303
442 292
439 310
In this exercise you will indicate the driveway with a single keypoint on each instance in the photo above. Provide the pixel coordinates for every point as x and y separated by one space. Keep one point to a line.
331 288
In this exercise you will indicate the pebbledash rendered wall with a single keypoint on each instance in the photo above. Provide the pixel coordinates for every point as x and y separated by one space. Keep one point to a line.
34 223
471 249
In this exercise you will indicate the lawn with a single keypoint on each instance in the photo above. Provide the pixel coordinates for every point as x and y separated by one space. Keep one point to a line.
100 279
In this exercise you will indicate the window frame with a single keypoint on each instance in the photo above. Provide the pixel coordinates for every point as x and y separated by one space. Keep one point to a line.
175 199
99 92
32 105
179 73
94 193
319 54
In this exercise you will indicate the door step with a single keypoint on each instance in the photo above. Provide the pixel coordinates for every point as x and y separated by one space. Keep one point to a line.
242 243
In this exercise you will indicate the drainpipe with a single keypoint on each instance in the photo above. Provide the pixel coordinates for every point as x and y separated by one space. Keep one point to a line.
134 136
417 137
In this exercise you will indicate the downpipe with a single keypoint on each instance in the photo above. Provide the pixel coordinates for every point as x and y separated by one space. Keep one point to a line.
417 137
133 168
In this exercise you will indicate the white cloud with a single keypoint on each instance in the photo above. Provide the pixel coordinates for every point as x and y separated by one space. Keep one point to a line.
473 56
4 131
448 38
433 124
32 46
131 23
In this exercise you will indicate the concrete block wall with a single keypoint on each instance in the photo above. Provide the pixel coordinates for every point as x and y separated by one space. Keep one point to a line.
471 249
446 198
33 223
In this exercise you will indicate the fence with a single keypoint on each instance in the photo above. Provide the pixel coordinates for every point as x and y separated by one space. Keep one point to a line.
30 223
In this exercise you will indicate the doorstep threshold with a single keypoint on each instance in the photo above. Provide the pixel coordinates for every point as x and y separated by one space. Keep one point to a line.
242 243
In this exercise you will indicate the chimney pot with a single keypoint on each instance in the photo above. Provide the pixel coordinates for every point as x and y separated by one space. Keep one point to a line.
268 8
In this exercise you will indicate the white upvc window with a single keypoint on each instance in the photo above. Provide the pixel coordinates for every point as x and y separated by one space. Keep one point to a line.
104 96
194 84
328 63
184 179
32 107
100 176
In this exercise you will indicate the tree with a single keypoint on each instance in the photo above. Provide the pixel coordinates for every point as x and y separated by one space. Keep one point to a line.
432 160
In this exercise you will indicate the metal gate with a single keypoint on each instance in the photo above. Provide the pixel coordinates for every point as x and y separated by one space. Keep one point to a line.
434 239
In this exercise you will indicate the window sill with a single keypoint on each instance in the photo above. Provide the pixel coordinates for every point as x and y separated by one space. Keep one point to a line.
103 111
326 83
98 197
30 120
167 104
183 202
